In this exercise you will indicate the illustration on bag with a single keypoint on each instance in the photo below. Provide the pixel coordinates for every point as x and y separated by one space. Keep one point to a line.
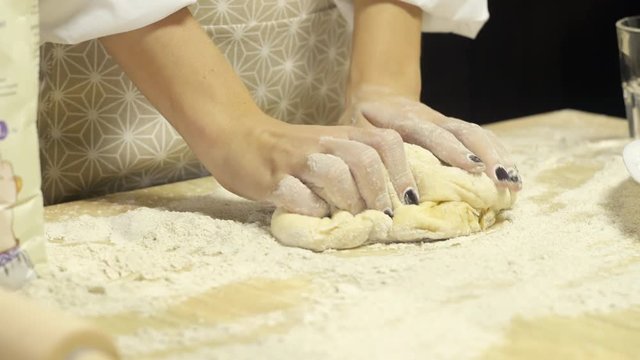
15 266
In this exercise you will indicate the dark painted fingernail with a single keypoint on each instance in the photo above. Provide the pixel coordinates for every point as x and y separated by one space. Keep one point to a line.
502 174
389 212
411 197
474 158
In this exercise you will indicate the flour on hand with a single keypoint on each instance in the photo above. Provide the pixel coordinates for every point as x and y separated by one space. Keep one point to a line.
453 203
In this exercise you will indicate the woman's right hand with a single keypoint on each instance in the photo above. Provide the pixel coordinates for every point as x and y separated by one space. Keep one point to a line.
307 169
304 169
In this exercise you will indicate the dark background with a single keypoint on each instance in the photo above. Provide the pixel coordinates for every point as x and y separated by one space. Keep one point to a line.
531 56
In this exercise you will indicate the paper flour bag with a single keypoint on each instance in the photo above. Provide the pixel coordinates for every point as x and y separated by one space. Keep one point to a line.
21 210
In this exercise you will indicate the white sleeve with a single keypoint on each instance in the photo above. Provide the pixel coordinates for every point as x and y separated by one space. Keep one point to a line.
74 21
462 17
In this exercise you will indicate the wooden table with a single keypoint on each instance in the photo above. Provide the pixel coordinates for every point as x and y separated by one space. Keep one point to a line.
603 335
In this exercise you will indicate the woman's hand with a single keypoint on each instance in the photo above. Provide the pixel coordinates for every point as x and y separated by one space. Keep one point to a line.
304 169
384 90
456 142
307 169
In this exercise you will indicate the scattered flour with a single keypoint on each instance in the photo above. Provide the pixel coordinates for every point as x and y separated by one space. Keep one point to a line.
572 246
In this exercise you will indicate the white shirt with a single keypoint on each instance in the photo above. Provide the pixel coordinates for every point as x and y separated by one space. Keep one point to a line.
74 21
462 17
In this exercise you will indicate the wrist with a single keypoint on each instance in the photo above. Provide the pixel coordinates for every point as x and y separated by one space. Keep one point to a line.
386 47
214 126
362 89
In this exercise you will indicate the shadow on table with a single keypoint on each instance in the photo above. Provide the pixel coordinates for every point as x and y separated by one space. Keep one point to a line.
236 209
623 206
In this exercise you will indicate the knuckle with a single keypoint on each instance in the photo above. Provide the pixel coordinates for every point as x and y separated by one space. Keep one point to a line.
366 165
387 140
327 169
474 127
391 136
471 133
369 157
460 127
442 136
338 174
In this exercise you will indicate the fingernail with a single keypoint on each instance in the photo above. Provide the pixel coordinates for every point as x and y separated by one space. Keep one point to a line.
513 175
389 212
502 174
474 158
411 197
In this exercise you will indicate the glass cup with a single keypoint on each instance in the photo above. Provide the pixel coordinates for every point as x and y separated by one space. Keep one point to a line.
629 45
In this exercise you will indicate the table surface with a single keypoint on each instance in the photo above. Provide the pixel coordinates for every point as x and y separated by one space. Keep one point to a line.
607 333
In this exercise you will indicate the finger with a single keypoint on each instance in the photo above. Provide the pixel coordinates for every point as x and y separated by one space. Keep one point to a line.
390 147
500 167
366 168
417 124
330 178
295 197
515 179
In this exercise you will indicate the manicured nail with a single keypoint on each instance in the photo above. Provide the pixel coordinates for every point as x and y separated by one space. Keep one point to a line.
513 175
474 158
502 174
411 197
389 212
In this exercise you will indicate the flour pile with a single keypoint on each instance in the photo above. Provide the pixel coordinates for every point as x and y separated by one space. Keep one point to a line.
572 247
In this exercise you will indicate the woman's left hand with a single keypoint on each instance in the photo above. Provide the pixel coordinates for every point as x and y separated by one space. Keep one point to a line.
453 141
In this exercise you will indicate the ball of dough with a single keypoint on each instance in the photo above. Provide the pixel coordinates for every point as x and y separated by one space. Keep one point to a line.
453 203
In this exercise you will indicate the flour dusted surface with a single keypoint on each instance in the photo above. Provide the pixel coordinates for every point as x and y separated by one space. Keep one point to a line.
571 246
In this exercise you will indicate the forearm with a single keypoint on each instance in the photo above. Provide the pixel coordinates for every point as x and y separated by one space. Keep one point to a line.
386 46
176 66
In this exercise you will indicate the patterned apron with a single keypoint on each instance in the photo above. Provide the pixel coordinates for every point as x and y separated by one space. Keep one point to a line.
98 133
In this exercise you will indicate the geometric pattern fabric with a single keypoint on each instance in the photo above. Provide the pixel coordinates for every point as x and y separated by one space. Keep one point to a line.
98 133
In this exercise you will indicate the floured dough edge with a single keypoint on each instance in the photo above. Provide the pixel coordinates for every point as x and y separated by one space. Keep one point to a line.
453 203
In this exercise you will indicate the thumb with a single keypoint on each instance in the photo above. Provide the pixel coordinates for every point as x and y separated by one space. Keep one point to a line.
295 197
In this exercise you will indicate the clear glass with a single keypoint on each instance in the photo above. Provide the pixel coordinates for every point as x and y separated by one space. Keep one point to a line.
629 48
